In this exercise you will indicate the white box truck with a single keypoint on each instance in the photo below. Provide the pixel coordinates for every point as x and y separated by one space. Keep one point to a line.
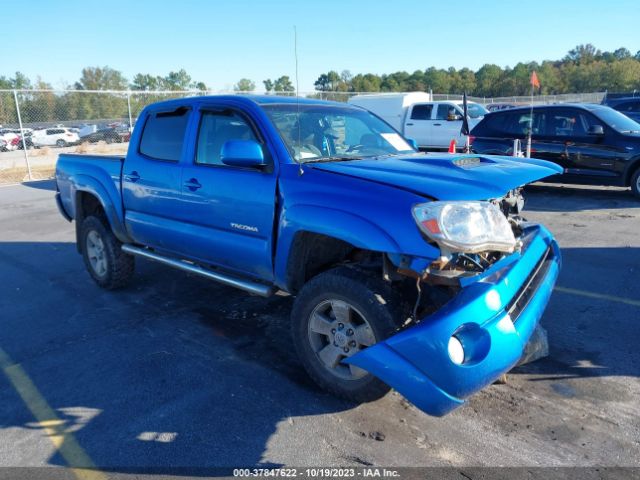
432 125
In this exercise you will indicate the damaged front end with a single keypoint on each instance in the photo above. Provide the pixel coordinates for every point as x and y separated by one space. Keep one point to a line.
498 272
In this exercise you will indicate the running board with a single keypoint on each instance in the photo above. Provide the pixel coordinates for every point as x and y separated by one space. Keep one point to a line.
246 285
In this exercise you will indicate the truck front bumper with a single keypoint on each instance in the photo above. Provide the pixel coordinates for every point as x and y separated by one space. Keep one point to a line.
493 317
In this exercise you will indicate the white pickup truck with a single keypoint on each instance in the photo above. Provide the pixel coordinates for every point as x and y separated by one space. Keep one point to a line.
431 124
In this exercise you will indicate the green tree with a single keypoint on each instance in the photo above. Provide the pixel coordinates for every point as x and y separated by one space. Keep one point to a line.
283 84
101 78
268 85
179 80
244 85
146 82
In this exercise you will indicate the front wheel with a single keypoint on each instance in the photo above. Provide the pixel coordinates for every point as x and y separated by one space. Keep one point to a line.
107 264
635 183
61 143
336 315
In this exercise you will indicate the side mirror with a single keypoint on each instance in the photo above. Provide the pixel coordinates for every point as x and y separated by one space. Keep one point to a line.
242 153
596 130
413 143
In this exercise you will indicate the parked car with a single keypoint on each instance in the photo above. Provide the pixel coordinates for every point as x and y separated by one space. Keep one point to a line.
594 144
492 107
108 135
60 137
630 106
432 125
8 136
329 203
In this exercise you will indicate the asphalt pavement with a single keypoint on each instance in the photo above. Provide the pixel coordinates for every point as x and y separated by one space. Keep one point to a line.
176 371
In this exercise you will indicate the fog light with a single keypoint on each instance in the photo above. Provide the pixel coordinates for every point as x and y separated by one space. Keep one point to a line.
456 351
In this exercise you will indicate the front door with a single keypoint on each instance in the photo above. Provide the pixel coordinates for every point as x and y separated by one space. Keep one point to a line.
228 211
446 126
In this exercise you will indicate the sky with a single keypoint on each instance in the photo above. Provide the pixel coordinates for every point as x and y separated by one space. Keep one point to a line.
219 42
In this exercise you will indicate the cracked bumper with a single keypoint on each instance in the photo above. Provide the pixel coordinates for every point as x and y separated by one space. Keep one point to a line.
493 316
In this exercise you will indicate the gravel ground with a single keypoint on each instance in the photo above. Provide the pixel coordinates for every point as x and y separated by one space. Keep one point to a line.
179 372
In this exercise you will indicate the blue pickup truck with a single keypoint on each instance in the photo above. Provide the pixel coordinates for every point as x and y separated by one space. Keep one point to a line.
409 270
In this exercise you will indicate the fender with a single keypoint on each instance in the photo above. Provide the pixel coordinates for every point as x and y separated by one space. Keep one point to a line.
331 222
111 203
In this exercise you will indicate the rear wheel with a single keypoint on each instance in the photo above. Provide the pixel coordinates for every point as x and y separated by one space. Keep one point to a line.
107 264
336 315
635 183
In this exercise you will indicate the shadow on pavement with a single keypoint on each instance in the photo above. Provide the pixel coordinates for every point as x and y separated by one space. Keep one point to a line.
177 372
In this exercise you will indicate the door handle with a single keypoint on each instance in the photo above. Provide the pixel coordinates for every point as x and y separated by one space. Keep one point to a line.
437 124
192 184
409 124
133 176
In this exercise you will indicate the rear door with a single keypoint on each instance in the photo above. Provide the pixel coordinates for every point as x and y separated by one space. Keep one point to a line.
228 211
151 180
418 124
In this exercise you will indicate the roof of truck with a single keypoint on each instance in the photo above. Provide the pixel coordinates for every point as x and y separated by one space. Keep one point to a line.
257 99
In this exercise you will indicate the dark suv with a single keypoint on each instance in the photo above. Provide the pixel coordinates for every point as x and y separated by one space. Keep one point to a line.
593 143
630 105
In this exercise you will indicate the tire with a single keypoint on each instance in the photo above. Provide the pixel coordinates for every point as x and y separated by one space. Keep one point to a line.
635 183
108 140
372 301
107 264
61 143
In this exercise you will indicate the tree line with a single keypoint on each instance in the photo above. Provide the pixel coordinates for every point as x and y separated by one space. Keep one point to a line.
583 69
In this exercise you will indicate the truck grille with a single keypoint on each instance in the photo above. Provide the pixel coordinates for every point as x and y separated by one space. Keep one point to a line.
522 298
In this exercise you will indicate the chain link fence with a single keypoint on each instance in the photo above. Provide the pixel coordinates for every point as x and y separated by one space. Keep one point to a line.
37 125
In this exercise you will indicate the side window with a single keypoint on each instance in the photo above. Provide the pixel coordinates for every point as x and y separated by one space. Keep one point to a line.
444 111
51 132
518 123
163 135
492 125
567 123
215 129
421 112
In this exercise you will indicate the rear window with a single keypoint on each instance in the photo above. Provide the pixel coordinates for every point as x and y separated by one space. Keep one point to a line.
628 107
421 112
491 126
163 135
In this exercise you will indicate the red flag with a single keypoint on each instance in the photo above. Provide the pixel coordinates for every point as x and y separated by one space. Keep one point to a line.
534 80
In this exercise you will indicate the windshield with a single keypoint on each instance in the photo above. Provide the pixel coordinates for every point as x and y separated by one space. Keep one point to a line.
475 110
325 132
617 120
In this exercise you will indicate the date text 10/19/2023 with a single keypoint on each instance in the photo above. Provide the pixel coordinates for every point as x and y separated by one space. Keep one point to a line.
365 472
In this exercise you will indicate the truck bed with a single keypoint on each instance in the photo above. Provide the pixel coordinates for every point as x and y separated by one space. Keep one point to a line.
92 172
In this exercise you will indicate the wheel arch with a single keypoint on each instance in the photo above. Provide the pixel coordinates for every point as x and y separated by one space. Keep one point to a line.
312 239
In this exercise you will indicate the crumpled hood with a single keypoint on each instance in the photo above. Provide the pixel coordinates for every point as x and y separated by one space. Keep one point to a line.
448 176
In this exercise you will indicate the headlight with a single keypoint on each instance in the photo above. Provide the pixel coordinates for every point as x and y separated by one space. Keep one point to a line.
469 227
